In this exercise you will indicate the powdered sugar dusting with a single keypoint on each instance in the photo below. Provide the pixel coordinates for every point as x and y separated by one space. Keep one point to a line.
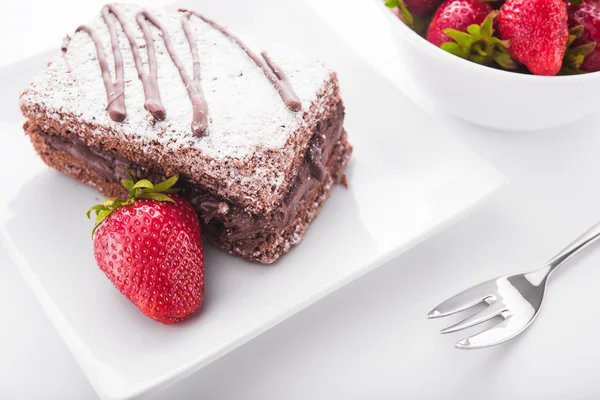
245 111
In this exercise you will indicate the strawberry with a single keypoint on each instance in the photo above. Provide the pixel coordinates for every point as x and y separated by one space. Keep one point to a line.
465 28
421 7
587 15
457 15
577 52
149 247
538 32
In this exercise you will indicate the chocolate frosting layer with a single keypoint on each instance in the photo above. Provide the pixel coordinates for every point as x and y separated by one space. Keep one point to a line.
220 217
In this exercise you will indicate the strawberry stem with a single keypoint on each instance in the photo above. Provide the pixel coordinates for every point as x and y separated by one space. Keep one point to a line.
575 55
138 189
479 44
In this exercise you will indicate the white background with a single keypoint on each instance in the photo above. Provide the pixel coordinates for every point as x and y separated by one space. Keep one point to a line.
371 339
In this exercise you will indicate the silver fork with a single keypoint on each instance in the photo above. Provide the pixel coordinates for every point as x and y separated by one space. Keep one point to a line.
515 298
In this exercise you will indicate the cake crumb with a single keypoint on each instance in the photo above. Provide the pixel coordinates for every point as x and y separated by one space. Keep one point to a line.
344 181
223 208
151 120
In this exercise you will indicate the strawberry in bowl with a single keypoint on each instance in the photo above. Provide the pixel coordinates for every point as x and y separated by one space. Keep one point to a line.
508 65
534 32
456 15
586 15
149 246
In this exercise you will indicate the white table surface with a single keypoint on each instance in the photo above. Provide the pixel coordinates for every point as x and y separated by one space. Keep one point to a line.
371 339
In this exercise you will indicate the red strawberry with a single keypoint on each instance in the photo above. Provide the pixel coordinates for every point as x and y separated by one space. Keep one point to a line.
538 33
587 14
457 15
421 7
149 246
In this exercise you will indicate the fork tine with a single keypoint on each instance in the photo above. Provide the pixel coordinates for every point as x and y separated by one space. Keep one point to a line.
460 302
497 334
493 310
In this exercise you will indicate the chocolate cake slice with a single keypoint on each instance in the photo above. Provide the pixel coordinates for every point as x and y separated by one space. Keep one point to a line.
255 133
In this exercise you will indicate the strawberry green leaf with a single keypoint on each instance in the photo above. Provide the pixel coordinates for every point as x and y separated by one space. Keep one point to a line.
143 184
478 49
503 59
166 184
157 197
474 30
96 208
571 71
570 40
454 48
478 59
575 56
577 31
128 183
502 44
119 202
109 202
479 45
462 38
576 2
420 25
487 26
584 50
391 3
405 14
103 214
96 226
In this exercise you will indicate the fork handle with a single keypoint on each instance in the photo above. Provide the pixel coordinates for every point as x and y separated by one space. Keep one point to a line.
589 237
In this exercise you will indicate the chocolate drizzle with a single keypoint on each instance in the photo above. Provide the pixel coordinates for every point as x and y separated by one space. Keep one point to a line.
279 79
115 90
273 73
201 111
152 101
199 117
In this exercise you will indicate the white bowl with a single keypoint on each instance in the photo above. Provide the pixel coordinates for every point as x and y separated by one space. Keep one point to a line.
491 97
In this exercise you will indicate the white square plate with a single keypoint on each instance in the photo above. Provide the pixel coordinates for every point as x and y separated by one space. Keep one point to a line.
408 179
